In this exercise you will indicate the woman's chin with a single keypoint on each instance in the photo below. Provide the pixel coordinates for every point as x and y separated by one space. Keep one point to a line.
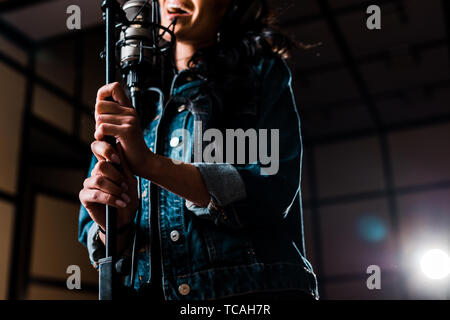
181 32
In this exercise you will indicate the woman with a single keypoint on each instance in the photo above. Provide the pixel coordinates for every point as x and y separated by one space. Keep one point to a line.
208 229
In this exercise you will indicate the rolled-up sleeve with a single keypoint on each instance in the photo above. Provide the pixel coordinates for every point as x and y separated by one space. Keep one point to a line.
95 248
225 186
228 188
84 220
247 192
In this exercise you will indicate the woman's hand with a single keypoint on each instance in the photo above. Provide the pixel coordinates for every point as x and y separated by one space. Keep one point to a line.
107 185
119 120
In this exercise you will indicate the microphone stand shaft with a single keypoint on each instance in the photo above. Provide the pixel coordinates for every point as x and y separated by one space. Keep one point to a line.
108 278
111 212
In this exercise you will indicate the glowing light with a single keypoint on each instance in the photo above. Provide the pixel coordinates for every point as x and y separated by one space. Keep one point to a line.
435 264
372 228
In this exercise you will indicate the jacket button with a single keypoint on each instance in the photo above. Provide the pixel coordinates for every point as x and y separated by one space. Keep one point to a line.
182 108
184 289
175 142
174 235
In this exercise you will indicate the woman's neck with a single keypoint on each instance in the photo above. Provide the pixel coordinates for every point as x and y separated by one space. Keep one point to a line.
184 52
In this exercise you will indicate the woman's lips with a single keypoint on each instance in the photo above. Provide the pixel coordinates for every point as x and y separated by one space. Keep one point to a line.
176 9
177 15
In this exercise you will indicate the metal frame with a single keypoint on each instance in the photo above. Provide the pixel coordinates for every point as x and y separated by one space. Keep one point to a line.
23 215
12 5
23 199
336 12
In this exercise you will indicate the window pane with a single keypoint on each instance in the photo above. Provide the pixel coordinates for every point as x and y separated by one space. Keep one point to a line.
6 237
350 167
405 72
53 109
12 51
12 91
335 120
313 93
410 106
93 68
56 64
421 156
55 242
62 179
87 128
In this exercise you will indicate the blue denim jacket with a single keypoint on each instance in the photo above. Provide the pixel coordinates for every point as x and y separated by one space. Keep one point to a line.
251 239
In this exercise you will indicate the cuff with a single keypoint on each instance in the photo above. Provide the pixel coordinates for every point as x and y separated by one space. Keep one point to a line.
225 187
95 247
223 181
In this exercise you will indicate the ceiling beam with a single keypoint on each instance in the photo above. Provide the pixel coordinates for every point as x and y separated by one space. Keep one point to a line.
12 5
9 197
16 36
100 29
426 87
59 135
349 61
330 139
385 55
337 12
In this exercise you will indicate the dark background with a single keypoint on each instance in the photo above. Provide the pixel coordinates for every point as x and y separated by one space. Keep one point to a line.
375 118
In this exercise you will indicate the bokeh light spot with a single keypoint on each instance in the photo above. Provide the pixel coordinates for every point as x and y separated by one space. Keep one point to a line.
371 228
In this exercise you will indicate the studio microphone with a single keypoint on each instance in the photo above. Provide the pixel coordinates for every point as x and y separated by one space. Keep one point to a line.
142 48
140 54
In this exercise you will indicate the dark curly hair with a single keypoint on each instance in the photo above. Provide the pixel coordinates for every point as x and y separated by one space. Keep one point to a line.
248 31
247 34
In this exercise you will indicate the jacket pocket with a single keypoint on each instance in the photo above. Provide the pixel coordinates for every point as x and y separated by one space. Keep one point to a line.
228 247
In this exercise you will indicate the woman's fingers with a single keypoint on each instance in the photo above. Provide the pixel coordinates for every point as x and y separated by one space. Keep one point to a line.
113 130
108 107
103 106
90 197
104 151
104 184
114 119
107 169
115 91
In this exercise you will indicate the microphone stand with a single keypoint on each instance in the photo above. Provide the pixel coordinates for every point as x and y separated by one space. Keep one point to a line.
108 278
133 71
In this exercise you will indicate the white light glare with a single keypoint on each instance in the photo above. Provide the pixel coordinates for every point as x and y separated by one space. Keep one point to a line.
435 264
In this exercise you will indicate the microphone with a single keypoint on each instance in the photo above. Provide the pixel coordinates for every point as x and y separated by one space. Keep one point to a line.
142 46
140 49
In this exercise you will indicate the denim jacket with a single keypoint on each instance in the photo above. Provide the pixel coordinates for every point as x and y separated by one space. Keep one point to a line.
251 238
